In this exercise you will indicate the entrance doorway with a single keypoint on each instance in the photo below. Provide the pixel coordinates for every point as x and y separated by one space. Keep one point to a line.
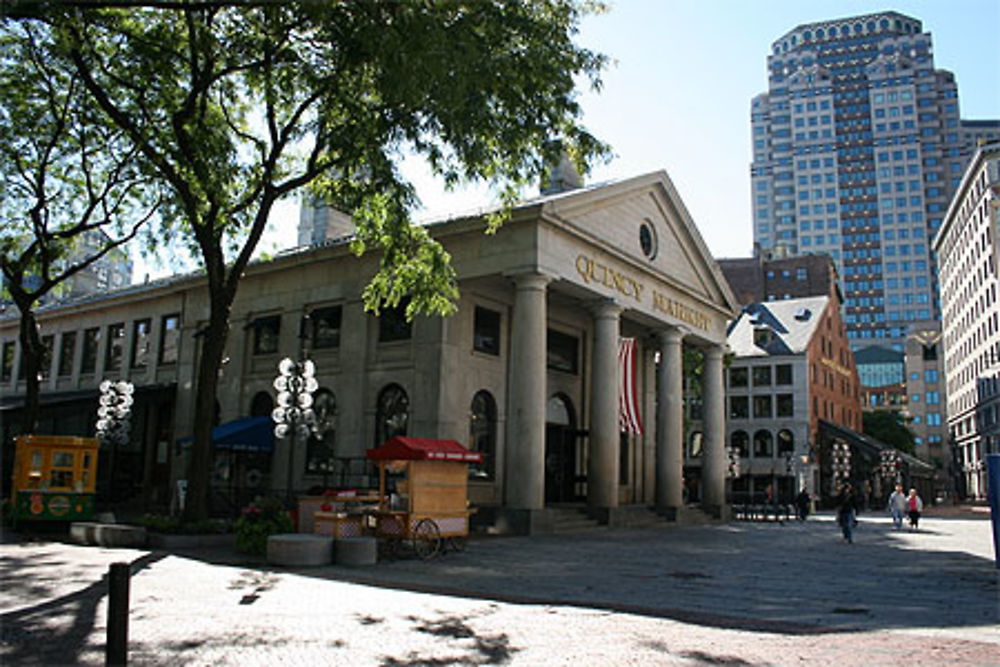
561 479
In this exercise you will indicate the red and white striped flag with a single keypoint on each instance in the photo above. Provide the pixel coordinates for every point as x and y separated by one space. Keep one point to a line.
628 397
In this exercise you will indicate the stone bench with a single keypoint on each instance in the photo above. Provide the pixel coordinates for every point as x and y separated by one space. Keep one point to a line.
107 534
299 550
355 551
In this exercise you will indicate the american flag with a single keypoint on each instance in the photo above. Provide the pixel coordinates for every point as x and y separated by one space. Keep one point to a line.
629 419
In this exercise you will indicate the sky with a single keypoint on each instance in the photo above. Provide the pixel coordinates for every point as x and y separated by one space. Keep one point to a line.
676 97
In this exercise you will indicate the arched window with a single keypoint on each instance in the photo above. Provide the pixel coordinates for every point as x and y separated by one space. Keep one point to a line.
763 443
558 410
320 448
483 434
740 441
392 413
694 444
786 442
261 405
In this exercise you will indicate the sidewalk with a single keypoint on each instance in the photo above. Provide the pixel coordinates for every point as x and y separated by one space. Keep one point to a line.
743 593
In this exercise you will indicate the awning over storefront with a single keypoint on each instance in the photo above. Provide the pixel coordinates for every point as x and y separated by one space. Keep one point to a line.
401 448
246 434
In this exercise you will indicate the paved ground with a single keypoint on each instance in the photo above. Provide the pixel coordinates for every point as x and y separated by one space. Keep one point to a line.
737 594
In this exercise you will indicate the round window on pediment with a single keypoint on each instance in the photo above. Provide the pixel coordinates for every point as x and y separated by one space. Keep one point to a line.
647 239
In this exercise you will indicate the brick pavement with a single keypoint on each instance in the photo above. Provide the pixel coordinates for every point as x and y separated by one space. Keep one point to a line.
732 594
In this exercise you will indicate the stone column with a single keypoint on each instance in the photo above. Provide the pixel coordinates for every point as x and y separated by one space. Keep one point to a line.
670 422
713 470
605 439
525 469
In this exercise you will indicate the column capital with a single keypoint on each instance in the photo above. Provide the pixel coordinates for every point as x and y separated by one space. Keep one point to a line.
670 336
606 309
714 351
529 280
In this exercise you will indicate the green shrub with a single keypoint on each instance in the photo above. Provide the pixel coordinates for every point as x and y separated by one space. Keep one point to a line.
262 517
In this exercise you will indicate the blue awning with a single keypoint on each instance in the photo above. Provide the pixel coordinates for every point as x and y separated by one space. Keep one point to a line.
246 434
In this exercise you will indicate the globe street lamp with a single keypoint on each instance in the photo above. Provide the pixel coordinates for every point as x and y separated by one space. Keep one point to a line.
294 416
113 423
841 464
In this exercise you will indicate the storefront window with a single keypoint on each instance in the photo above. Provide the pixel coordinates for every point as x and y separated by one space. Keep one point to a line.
266 332
486 334
483 434
91 342
325 327
562 351
66 353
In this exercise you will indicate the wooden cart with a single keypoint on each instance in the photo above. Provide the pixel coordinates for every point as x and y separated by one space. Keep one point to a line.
423 491
54 478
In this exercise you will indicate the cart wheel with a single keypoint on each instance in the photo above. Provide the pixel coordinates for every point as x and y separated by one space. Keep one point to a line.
426 539
456 544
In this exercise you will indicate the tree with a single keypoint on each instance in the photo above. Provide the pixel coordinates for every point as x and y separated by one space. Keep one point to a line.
238 104
65 177
889 426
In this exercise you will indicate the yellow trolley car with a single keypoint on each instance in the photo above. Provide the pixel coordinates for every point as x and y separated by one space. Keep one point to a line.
54 478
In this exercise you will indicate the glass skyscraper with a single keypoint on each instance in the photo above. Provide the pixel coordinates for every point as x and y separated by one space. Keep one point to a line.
857 149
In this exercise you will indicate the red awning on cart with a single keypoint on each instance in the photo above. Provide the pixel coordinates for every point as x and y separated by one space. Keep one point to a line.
401 448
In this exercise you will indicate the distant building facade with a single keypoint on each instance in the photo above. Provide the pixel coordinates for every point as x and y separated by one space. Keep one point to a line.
762 278
858 147
968 253
792 368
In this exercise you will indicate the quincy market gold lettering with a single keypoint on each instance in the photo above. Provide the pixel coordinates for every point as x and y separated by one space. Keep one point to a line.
679 311
602 274
593 271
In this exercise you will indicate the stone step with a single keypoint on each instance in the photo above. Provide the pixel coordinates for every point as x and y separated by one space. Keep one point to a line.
573 520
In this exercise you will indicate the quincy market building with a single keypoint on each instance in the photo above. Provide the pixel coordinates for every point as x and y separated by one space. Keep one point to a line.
527 371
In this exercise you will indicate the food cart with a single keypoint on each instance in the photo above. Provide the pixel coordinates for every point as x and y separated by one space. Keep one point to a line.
423 496
54 478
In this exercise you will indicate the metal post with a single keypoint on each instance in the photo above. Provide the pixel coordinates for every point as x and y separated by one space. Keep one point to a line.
116 649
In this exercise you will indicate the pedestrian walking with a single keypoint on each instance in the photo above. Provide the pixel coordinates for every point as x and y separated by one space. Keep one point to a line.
898 507
847 510
802 504
915 506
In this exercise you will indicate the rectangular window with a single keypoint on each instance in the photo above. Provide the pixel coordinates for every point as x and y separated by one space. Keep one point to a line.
170 332
783 374
393 325
762 407
762 376
66 353
45 363
325 327
7 363
784 405
266 334
140 342
486 331
115 349
561 351
739 407
91 343
737 377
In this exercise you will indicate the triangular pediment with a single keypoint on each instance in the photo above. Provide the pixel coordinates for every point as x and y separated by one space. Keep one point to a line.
613 216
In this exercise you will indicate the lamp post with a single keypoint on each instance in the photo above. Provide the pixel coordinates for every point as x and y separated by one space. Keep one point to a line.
113 423
890 465
841 464
733 467
294 416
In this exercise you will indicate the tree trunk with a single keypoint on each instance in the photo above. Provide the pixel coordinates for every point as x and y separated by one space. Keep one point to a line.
212 351
31 353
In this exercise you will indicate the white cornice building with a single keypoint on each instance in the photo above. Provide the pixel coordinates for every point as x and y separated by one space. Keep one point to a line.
968 254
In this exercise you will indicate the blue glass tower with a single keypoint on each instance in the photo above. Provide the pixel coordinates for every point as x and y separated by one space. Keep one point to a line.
857 149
